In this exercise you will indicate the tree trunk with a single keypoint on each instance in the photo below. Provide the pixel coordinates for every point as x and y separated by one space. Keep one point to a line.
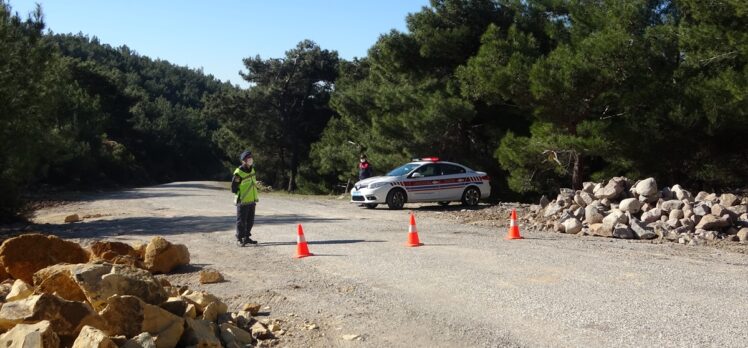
576 174
294 169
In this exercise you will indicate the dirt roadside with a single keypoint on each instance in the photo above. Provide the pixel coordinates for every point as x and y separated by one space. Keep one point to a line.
465 287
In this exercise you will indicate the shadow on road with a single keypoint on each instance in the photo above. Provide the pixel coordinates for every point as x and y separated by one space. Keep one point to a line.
195 185
315 242
142 226
155 225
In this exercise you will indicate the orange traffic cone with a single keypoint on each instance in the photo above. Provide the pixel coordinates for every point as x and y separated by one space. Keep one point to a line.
302 250
413 233
513 228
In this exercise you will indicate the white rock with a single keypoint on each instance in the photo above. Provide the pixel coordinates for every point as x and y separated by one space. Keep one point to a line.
630 205
572 226
646 187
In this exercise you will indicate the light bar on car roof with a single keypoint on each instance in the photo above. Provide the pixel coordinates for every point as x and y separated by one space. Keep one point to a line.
432 159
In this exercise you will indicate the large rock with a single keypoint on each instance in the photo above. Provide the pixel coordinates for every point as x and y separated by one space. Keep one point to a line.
641 230
623 231
646 187
614 217
553 208
612 190
630 205
743 235
593 214
38 335
702 209
100 281
91 337
712 223
728 199
672 204
28 253
600 230
162 256
58 279
202 300
233 336
19 291
129 316
652 215
738 209
200 333
572 226
208 276
117 253
66 317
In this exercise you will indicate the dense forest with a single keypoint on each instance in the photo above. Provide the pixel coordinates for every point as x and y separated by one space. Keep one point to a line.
541 94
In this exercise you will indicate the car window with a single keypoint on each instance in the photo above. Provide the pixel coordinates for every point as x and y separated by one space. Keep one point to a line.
429 170
451 169
403 169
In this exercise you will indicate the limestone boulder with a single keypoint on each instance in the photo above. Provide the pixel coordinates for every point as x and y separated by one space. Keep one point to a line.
72 218
728 199
600 230
100 281
66 317
28 253
161 256
623 231
630 205
743 235
572 226
641 230
202 299
91 337
610 191
260 331
672 204
614 217
552 209
116 253
210 276
200 333
233 336
738 209
646 187
652 215
176 306
19 290
712 223
129 316
37 335
58 280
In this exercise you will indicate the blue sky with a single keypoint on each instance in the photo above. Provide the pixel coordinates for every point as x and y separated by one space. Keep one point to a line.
216 35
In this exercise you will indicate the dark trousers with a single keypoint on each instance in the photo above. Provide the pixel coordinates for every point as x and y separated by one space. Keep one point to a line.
245 219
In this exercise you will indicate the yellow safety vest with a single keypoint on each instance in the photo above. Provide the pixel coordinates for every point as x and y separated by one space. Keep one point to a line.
247 188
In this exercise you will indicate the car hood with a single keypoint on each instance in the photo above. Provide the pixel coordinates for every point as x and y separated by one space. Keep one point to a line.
373 179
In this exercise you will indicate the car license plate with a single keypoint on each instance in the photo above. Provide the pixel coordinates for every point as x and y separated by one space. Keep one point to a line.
355 193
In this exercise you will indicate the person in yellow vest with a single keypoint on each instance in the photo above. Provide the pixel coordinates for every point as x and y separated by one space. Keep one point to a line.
244 185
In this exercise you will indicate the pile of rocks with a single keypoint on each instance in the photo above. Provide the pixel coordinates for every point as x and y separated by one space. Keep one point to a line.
625 209
55 293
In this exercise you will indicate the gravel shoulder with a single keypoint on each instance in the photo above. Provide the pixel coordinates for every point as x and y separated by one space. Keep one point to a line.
466 286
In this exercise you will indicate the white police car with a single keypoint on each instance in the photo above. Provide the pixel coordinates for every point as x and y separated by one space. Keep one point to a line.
423 180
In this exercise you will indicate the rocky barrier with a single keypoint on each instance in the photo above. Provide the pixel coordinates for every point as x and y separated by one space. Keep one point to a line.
57 293
625 209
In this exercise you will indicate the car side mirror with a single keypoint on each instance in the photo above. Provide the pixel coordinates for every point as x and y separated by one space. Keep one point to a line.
416 175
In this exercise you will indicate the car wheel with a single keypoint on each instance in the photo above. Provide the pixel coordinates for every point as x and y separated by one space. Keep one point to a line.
444 204
396 199
371 205
471 196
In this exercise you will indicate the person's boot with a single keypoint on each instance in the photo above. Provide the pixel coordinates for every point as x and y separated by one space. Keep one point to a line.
249 241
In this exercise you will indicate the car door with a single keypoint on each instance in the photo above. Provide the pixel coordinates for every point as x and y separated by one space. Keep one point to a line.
452 181
423 184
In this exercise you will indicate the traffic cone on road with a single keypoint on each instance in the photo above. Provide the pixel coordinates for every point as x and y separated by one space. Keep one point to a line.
513 228
302 250
413 233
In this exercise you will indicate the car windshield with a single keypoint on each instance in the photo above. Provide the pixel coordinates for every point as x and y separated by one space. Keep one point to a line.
403 169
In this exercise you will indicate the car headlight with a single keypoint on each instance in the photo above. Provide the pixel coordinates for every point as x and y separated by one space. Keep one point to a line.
377 184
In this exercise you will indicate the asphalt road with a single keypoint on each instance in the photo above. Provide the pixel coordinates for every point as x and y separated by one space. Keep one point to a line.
466 286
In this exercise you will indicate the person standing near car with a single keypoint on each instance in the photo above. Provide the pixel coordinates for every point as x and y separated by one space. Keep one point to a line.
364 168
244 185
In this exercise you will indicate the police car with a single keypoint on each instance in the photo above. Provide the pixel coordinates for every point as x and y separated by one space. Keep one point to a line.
423 180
